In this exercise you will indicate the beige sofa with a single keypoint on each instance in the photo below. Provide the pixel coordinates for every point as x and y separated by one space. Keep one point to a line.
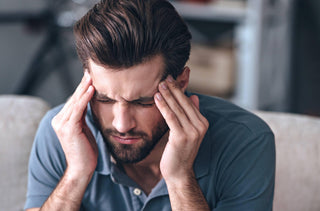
297 185
297 143
19 119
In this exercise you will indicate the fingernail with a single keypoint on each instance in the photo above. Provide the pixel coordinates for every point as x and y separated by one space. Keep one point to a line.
158 96
170 79
87 75
163 85
90 88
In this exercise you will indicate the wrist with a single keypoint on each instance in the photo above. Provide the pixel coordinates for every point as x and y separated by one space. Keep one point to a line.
77 177
182 181
69 192
185 194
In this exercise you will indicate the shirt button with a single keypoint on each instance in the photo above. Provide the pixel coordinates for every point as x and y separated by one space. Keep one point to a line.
137 191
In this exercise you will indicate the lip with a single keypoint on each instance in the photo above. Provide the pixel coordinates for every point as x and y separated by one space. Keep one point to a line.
126 140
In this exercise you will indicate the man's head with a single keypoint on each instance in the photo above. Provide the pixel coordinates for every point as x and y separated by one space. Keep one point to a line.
129 47
124 33
124 109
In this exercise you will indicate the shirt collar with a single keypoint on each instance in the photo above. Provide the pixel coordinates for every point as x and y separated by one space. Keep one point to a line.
104 160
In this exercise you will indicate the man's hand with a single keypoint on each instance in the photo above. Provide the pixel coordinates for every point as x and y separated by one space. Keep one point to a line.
76 139
187 129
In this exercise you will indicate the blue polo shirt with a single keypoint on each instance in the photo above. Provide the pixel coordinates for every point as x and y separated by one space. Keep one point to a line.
235 166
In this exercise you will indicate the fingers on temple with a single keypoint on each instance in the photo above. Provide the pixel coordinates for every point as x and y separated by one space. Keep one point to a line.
189 104
168 114
186 109
76 105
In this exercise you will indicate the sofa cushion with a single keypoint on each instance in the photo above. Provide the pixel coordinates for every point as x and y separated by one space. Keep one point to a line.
19 119
297 184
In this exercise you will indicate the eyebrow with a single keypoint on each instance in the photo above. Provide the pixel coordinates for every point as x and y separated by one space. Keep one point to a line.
102 96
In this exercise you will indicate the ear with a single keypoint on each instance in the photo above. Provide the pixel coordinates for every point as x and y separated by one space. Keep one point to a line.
183 78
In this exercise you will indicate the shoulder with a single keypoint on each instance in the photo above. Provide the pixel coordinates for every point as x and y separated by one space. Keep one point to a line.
236 145
220 112
47 149
45 136
233 129
46 120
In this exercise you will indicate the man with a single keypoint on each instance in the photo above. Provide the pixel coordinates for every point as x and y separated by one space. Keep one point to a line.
132 138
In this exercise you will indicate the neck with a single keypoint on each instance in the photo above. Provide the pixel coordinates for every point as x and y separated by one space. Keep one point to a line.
146 173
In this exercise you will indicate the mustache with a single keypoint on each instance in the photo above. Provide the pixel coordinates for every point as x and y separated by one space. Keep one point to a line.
111 132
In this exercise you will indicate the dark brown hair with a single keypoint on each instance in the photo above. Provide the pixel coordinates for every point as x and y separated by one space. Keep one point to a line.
124 33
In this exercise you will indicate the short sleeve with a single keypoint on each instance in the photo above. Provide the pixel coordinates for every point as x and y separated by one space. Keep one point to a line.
46 163
247 181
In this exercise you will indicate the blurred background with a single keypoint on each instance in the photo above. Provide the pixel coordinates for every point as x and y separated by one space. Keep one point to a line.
259 54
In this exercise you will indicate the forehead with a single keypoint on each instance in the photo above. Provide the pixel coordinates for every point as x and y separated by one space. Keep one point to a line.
128 83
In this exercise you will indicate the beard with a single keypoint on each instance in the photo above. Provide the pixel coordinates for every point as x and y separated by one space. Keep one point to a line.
132 153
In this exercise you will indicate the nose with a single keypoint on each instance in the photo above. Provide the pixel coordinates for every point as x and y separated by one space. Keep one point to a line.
123 118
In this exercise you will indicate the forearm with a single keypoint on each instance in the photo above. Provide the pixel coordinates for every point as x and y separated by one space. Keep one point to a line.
186 194
68 194
79 146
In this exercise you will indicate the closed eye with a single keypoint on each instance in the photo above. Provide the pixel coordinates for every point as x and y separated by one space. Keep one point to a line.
143 101
105 100
149 104
137 103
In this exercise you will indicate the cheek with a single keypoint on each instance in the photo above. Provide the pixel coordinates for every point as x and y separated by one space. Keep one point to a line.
149 117
102 112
